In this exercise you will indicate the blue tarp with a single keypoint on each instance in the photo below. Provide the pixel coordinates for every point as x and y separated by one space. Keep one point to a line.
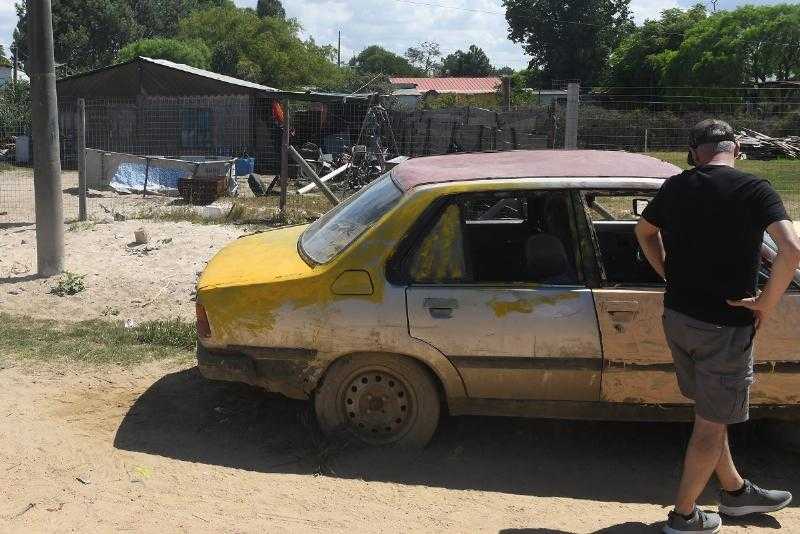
130 177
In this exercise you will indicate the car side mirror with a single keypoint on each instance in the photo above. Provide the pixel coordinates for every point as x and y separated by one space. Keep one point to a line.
639 204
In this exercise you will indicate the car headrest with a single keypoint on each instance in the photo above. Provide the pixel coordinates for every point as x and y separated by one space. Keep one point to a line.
545 256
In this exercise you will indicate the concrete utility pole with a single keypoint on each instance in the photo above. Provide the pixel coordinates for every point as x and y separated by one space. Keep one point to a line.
46 158
571 126
339 51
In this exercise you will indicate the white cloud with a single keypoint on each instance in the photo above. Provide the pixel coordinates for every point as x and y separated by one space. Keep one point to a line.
650 9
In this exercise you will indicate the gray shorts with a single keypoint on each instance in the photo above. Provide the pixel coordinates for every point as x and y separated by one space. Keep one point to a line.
714 365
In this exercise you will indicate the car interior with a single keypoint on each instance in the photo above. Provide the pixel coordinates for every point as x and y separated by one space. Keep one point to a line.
524 237
614 220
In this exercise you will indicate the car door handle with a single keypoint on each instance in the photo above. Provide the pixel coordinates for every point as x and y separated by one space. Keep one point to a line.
621 311
440 308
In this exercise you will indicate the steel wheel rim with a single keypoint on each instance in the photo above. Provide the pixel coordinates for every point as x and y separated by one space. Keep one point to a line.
379 406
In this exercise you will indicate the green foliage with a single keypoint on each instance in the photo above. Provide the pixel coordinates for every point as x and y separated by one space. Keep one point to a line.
639 59
425 56
68 284
375 59
91 33
267 50
505 71
15 107
570 40
87 33
270 8
729 48
725 49
473 62
177 333
189 52
4 61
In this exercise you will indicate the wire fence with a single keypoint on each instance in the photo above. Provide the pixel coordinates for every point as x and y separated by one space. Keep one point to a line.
140 153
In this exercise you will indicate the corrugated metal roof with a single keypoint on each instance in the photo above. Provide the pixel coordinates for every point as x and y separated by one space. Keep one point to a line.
530 164
157 77
467 86
208 74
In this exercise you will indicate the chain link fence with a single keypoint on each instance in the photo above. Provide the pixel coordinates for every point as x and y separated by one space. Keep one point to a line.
135 146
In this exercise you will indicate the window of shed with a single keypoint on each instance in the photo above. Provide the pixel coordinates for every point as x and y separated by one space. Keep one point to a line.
195 128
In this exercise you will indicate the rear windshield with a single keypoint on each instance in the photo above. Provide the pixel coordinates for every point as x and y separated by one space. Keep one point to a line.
334 231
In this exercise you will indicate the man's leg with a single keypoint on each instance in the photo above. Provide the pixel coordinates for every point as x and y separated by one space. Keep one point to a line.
702 456
728 475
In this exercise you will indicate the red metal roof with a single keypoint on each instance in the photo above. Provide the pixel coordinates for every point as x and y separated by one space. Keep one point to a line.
530 164
467 86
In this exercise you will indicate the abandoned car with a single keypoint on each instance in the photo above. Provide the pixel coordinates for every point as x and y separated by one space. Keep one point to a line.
496 283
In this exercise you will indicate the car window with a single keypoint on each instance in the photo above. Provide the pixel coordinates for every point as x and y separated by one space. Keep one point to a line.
495 210
613 215
769 250
334 231
440 255
497 237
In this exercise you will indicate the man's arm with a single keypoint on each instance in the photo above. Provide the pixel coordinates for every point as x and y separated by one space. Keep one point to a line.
783 270
649 237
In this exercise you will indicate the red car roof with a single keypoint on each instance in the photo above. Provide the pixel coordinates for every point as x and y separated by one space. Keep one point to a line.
530 164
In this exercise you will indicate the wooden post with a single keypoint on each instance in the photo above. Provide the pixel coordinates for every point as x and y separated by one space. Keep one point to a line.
571 127
81 127
645 139
310 172
514 142
284 155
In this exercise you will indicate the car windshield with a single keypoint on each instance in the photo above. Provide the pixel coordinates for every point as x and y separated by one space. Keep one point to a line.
335 230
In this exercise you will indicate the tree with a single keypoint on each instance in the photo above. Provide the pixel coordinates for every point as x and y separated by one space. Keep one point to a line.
505 71
747 45
375 59
270 8
425 57
473 62
265 50
638 60
3 59
190 52
87 33
569 40
15 107
91 33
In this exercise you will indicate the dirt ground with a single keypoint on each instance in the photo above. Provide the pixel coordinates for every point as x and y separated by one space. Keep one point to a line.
156 448
123 280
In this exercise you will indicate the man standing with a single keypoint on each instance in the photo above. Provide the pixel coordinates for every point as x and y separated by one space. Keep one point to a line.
703 233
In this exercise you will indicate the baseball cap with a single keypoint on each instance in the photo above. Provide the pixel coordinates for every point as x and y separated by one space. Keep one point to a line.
710 131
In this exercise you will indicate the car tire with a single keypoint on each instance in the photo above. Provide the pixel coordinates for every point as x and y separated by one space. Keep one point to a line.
379 400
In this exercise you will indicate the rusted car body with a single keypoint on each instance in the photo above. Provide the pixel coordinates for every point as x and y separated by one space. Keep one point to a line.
503 284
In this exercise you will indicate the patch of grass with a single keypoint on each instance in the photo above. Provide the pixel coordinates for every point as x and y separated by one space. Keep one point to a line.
95 341
81 226
783 174
68 284
245 211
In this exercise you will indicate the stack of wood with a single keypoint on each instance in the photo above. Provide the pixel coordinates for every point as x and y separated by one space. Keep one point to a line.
759 146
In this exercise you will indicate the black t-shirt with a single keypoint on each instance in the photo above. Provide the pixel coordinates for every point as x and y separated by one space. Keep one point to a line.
712 220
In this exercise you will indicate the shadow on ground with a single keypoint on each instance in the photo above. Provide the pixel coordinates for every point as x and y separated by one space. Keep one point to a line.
186 417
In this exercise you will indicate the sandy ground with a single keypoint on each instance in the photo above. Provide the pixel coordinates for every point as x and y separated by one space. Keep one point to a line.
157 448
123 280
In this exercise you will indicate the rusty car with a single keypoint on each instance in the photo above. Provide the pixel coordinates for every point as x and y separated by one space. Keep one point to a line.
505 283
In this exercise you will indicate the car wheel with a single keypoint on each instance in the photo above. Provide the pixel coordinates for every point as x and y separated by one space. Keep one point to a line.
379 399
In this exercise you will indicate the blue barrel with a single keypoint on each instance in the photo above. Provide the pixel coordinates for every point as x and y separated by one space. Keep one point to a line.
245 166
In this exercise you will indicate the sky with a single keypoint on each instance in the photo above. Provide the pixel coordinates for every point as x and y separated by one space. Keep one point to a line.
398 24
